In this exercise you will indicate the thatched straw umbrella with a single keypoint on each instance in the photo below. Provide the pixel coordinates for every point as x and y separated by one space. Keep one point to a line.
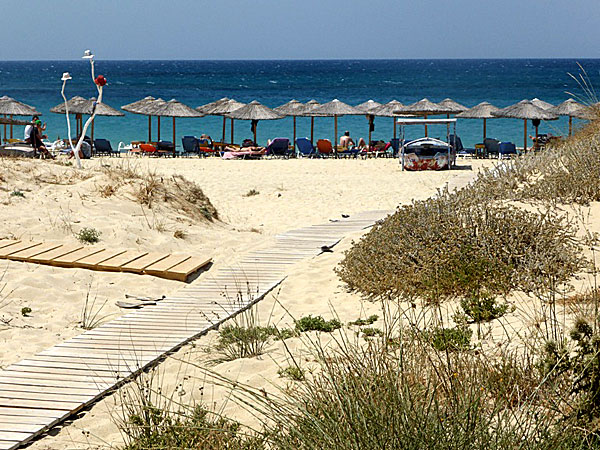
308 107
143 107
292 108
451 107
221 107
367 107
254 111
388 110
335 108
572 109
11 107
81 106
482 111
424 107
174 108
526 110
542 104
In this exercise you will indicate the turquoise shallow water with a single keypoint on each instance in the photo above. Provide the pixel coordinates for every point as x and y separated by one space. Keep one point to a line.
501 82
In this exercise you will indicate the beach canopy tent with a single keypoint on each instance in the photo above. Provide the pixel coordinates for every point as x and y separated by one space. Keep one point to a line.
367 107
254 112
84 107
292 108
424 107
483 111
526 110
571 108
10 107
221 107
404 121
335 108
173 108
542 104
145 107
387 110
308 107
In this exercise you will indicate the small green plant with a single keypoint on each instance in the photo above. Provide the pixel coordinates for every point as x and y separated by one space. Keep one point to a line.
450 339
368 321
179 234
317 323
88 235
370 332
251 193
482 308
237 341
285 333
292 372
17 193
25 311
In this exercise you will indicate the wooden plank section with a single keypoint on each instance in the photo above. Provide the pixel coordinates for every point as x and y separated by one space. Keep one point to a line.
92 261
42 390
63 250
69 258
165 264
184 269
24 255
115 264
138 265
10 249
7 242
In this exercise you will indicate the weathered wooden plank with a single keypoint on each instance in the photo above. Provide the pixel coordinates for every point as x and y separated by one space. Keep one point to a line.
20 427
69 258
48 256
120 260
140 264
8 242
25 255
92 261
165 264
184 269
10 249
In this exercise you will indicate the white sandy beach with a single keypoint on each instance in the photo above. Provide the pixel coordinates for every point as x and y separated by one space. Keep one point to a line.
291 194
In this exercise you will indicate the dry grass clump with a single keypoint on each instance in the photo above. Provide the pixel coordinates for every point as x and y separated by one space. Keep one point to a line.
150 189
440 249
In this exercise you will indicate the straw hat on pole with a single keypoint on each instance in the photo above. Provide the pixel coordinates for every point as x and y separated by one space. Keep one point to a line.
292 108
308 107
174 108
221 107
571 109
389 109
482 111
254 111
367 107
526 110
334 109
11 107
141 107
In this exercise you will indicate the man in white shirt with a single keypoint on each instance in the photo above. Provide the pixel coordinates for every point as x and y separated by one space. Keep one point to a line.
28 128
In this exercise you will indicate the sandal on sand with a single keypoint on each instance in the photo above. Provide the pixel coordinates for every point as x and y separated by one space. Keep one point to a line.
128 305
146 299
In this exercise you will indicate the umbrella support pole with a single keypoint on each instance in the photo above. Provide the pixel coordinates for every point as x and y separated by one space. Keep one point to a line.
335 133
294 141
525 136
312 130
232 141
149 128
426 130
174 145
394 119
4 131
11 128
224 123
484 130
158 140
570 125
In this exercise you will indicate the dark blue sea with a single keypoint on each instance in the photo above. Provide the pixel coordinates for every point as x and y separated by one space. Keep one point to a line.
501 82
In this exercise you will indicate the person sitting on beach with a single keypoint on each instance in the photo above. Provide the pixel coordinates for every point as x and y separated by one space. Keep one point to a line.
35 139
362 145
346 141
85 151
29 127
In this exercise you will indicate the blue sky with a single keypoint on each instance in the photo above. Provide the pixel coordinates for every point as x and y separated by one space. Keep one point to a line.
300 29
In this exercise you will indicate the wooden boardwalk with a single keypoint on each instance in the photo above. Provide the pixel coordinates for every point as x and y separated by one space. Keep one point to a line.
41 391
164 265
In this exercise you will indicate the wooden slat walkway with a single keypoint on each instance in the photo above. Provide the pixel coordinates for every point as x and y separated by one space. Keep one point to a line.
43 390
164 265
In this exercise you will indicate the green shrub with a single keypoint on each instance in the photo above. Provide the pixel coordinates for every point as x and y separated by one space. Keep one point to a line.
317 323
17 193
449 339
285 333
292 372
371 332
237 341
88 235
483 308
368 321
251 193
25 311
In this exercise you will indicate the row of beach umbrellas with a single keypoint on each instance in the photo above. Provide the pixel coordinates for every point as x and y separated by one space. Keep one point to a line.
535 110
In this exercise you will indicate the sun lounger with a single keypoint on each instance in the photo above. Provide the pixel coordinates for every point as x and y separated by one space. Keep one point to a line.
457 145
305 148
103 147
506 149
344 152
324 147
190 145
279 147
245 154
492 146
207 147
